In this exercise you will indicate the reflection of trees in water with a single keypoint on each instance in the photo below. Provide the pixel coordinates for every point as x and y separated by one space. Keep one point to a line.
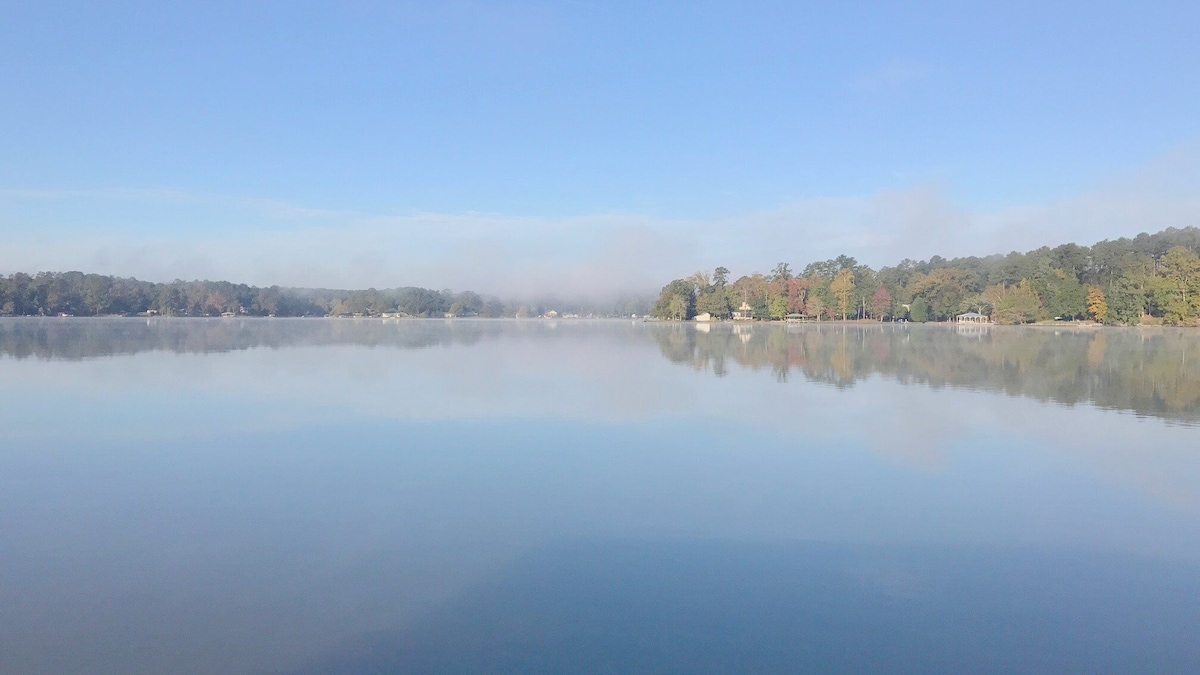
73 339
1147 371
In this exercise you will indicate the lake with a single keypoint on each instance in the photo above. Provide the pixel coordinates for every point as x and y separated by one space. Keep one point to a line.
362 496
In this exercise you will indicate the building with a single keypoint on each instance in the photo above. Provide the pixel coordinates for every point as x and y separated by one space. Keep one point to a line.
796 318
704 317
743 313
972 317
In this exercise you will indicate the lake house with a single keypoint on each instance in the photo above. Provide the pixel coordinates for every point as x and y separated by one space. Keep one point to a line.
972 317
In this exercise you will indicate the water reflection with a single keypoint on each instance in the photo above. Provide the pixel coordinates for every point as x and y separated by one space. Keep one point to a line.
76 339
304 497
1145 371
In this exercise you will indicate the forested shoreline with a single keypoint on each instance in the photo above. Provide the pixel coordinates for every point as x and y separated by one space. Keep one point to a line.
80 294
1151 278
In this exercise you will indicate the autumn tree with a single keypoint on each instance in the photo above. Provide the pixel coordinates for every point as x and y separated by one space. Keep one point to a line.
1096 303
797 295
842 287
881 303
815 306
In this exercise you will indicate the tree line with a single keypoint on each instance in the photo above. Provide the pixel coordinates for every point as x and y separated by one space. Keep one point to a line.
79 294
1151 278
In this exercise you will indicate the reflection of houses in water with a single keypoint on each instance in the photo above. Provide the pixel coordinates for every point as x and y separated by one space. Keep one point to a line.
743 333
703 327
972 324
743 313
1144 371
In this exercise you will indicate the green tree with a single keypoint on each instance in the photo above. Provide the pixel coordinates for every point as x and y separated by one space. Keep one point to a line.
677 301
715 301
943 290
1126 301
1020 304
918 311
777 307
1181 271
1061 293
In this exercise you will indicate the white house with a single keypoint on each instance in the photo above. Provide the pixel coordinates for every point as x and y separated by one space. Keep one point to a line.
971 317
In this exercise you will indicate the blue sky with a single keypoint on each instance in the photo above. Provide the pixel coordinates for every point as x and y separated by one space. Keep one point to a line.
520 146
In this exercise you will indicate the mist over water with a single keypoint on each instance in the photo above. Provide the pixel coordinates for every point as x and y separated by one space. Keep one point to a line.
342 496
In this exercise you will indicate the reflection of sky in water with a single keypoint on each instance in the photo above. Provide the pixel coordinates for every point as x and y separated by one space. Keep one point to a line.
532 500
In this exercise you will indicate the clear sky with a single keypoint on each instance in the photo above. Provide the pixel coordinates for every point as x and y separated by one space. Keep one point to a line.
541 146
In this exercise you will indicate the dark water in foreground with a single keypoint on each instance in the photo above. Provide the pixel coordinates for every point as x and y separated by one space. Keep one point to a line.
311 496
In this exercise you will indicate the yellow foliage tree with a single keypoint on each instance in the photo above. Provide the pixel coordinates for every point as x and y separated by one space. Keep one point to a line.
842 286
1096 303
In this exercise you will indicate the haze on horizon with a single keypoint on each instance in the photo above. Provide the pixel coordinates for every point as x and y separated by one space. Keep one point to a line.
534 147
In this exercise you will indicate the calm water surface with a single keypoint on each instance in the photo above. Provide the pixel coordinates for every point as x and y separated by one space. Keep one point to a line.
321 496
